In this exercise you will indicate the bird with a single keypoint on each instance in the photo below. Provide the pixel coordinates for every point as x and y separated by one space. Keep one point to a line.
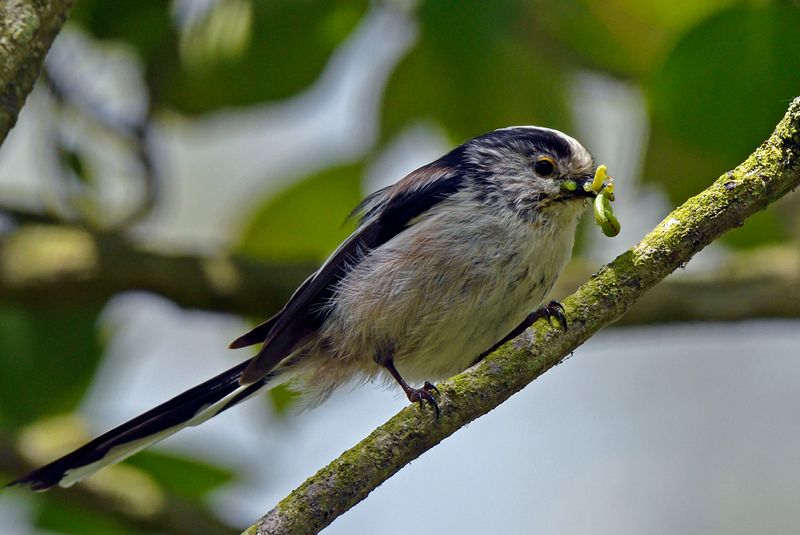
444 266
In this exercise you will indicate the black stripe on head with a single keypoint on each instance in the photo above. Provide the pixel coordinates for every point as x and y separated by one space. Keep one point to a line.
521 137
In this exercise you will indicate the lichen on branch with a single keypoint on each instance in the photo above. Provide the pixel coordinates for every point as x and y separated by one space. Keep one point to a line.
27 29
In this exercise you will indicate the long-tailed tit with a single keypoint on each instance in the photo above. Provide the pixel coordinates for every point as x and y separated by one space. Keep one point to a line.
443 265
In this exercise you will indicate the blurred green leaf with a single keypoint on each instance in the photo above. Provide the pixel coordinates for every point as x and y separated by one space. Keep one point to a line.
728 80
596 38
669 14
48 357
717 96
145 25
74 163
282 397
241 52
680 168
305 221
54 515
762 228
189 478
473 70
623 37
272 51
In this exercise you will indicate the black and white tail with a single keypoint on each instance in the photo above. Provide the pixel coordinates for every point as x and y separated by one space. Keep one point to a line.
192 407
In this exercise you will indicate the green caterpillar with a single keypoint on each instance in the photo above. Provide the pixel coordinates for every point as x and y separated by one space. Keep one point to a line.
604 216
603 185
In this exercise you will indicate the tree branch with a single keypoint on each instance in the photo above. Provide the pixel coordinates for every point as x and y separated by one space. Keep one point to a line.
768 174
42 263
27 29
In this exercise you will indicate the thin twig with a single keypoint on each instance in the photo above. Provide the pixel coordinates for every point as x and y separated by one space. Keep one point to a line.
134 130
42 264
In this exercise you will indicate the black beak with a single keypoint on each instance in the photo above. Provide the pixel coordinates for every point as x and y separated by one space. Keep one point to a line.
584 187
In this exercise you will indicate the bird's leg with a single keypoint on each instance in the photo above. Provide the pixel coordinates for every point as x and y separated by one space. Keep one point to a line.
424 394
553 309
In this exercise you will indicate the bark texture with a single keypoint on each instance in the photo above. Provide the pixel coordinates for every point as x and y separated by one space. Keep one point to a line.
27 29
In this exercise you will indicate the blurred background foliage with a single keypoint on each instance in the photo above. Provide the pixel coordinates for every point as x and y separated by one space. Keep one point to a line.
714 75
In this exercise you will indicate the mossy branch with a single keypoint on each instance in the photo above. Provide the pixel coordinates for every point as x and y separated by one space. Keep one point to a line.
768 174
27 29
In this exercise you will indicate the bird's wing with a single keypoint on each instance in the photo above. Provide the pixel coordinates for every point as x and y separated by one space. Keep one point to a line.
385 214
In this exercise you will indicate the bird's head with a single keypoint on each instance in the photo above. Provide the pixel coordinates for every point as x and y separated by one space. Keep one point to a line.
530 169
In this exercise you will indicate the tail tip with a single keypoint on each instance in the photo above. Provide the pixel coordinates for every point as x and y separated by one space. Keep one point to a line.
33 482
239 343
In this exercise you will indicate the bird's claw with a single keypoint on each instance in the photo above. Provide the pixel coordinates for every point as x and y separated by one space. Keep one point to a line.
554 309
430 387
425 395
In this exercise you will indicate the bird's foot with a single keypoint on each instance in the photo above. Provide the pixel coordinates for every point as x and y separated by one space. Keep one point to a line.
424 395
551 310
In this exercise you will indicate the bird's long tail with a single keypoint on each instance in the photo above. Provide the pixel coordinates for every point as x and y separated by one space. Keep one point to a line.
192 407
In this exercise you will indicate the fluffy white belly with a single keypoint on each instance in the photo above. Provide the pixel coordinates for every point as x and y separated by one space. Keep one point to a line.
445 290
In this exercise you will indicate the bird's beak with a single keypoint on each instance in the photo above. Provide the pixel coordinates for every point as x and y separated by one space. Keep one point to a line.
585 187
580 187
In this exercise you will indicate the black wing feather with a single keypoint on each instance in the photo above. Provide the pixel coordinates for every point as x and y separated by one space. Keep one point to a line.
259 333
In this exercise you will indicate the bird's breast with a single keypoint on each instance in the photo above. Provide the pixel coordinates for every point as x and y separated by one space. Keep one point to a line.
445 290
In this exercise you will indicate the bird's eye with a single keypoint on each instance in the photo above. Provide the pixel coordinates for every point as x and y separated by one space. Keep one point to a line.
544 166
